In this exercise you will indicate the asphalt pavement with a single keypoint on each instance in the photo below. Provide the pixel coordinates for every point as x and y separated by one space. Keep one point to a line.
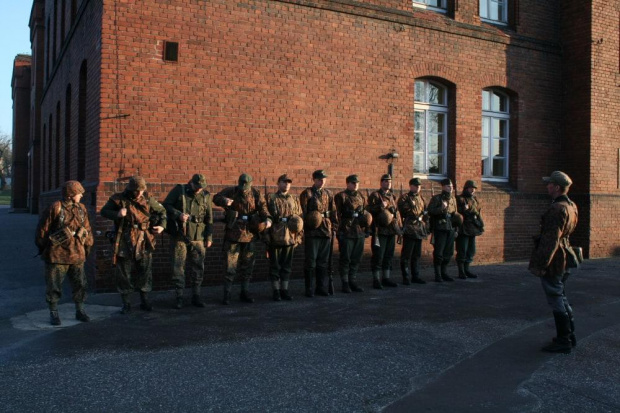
465 346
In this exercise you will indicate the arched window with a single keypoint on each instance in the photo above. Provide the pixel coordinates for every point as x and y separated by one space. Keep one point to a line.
68 133
431 128
81 143
495 134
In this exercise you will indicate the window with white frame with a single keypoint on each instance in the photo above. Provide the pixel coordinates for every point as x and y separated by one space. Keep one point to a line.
495 134
495 11
438 5
430 128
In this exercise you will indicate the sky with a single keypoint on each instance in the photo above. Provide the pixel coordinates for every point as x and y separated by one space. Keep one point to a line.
14 40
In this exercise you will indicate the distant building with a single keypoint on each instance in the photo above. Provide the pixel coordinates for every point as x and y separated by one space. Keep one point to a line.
500 91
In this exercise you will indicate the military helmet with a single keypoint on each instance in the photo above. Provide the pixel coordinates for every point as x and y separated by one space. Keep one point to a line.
256 225
365 219
136 183
314 219
457 219
295 224
384 218
71 189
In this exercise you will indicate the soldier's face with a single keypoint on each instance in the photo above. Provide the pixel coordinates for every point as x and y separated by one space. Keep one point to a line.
553 189
319 182
471 190
284 186
386 184
353 186
137 194
447 188
76 198
414 188
195 188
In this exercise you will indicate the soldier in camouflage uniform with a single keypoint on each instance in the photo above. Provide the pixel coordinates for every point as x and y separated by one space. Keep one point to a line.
190 213
246 216
64 239
137 219
351 206
386 225
550 256
317 203
412 208
285 211
469 207
444 221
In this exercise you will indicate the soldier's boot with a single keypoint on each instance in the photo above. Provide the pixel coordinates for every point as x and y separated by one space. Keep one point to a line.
227 288
55 318
276 295
376 280
468 273
284 291
178 302
245 292
562 343
353 283
126 304
415 276
145 303
308 283
404 269
444 272
346 287
196 298
320 283
80 314
571 336
437 273
461 268
385 281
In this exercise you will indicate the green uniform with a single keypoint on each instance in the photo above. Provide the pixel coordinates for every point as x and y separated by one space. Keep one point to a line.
383 254
351 236
469 207
191 235
443 230
415 229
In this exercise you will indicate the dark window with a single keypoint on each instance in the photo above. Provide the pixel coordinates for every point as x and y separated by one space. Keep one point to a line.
68 134
73 11
81 144
62 22
55 31
48 156
57 148
171 51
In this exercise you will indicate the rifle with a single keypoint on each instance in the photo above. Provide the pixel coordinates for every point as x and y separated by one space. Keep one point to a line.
375 229
432 240
330 266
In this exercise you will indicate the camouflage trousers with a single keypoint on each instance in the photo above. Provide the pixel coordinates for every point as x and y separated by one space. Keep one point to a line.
193 262
134 275
240 259
55 275
351 252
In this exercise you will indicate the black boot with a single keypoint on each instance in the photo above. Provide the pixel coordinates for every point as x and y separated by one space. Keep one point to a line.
320 287
308 283
353 284
468 273
245 293
562 343
55 318
444 272
415 273
437 274
81 315
276 295
346 288
376 281
145 304
227 288
285 295
404 269
461 268
197 301
126 304
178 302
571 336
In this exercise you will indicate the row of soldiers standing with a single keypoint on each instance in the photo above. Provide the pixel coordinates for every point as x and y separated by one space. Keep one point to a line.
280 219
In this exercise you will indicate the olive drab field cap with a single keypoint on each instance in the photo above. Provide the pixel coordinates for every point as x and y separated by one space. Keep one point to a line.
558 178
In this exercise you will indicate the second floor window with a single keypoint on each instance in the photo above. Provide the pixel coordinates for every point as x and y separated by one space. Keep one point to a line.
431 128
495 11
495 134
439 5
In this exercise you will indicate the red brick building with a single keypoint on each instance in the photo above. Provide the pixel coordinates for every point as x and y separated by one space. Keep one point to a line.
500 91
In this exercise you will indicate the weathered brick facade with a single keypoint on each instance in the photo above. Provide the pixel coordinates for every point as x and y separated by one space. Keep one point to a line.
267 87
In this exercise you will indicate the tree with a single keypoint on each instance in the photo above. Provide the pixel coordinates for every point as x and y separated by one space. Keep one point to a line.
6 158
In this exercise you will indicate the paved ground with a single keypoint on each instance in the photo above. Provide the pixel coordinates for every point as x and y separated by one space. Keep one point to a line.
467 346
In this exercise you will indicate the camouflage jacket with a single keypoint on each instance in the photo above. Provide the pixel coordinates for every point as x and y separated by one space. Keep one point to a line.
441 217
183 200
282 207
350 206
469 206
556 226
375 206
322 201
415 221
143 213
246 204
63 234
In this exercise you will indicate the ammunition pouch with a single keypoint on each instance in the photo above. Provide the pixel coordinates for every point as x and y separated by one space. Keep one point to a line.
61 236
81 235
574 257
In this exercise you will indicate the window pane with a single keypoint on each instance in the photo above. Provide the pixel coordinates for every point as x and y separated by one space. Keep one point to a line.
419 91
496 127
418 162
485 147
499 147
486 98
498 167
435 122
435 164
485 165
484 11
420 121
486 127
503 129
434 143
436 94
418 143
493 11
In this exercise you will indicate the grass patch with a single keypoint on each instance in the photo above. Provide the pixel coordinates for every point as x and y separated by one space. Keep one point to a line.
5 197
